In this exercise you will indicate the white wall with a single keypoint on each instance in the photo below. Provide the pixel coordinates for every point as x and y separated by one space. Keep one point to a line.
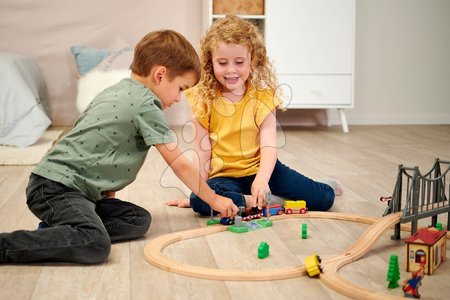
46 29
402 62
402 65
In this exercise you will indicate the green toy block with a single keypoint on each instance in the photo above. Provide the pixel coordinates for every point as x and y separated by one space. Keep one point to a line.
264 222
212 222
304 231
237 229
250 226
439 226
263 250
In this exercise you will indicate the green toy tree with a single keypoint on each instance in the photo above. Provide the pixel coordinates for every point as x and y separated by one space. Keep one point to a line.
393 274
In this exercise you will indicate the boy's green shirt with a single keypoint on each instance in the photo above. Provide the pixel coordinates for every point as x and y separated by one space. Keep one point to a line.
109 142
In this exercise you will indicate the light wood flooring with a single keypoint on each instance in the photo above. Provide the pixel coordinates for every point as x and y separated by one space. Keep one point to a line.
365 160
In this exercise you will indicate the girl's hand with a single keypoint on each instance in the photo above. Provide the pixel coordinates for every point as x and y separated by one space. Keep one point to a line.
224 206
182 203
259 190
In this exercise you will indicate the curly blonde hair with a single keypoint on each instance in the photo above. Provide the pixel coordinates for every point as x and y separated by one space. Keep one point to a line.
233 30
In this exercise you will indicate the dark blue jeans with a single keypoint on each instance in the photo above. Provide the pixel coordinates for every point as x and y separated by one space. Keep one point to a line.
78 230
284 182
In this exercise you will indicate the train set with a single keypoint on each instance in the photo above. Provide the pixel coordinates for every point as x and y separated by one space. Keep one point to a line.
426 196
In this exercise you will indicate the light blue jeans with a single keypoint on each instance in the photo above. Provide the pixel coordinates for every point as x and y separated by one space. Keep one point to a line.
77 229
284 182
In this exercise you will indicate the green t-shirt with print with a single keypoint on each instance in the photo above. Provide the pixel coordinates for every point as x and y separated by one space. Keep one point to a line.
109 142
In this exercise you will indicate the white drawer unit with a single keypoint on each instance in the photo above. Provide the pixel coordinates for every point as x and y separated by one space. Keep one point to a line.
311 45
317 91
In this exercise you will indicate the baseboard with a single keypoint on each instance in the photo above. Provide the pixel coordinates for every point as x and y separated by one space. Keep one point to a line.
442 119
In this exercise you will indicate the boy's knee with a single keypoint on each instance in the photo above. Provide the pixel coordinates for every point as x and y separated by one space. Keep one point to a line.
146 220
96 251
143 222
99 250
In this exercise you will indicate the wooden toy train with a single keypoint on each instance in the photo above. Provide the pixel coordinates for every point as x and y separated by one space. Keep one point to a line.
290 207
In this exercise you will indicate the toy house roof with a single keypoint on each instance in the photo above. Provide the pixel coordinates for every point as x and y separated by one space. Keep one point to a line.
427 236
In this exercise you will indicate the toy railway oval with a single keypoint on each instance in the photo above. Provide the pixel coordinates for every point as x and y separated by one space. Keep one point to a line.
330 265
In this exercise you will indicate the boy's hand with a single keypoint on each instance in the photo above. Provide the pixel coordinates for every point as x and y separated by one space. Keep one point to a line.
110 194
224 206
259 190
182 203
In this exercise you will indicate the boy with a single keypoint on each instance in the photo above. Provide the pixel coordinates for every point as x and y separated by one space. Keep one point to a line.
68 190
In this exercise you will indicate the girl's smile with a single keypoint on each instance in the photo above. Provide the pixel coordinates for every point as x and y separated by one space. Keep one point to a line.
231 65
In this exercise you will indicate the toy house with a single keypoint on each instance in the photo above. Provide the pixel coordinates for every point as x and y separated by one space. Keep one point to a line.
426 247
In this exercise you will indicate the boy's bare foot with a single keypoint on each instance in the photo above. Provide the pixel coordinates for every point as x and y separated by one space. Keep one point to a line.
182 203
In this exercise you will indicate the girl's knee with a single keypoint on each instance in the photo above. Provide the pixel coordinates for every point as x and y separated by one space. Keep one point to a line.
199 206
323 202
327 201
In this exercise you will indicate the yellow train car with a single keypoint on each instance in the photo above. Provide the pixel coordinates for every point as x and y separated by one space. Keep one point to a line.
295 207
312 264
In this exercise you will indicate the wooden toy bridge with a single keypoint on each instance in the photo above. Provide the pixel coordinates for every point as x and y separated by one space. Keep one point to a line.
424 195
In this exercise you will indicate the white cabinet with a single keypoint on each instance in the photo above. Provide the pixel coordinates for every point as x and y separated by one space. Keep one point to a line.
311 44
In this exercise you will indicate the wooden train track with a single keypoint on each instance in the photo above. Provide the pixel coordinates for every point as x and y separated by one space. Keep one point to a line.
330 265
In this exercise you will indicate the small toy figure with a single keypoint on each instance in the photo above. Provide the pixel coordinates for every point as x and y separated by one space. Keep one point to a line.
411 286
263 250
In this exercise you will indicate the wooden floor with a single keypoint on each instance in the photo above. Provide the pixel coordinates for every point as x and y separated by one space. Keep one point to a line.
365 160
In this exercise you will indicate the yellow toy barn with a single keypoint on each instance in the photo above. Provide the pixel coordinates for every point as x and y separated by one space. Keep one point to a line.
427 247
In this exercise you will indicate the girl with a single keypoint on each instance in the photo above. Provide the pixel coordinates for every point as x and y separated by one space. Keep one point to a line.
234 107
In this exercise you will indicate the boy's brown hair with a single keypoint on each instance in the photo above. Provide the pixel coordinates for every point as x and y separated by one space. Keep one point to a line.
166 48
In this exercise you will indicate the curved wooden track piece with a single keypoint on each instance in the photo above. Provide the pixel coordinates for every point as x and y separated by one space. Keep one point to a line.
153 254
331 265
